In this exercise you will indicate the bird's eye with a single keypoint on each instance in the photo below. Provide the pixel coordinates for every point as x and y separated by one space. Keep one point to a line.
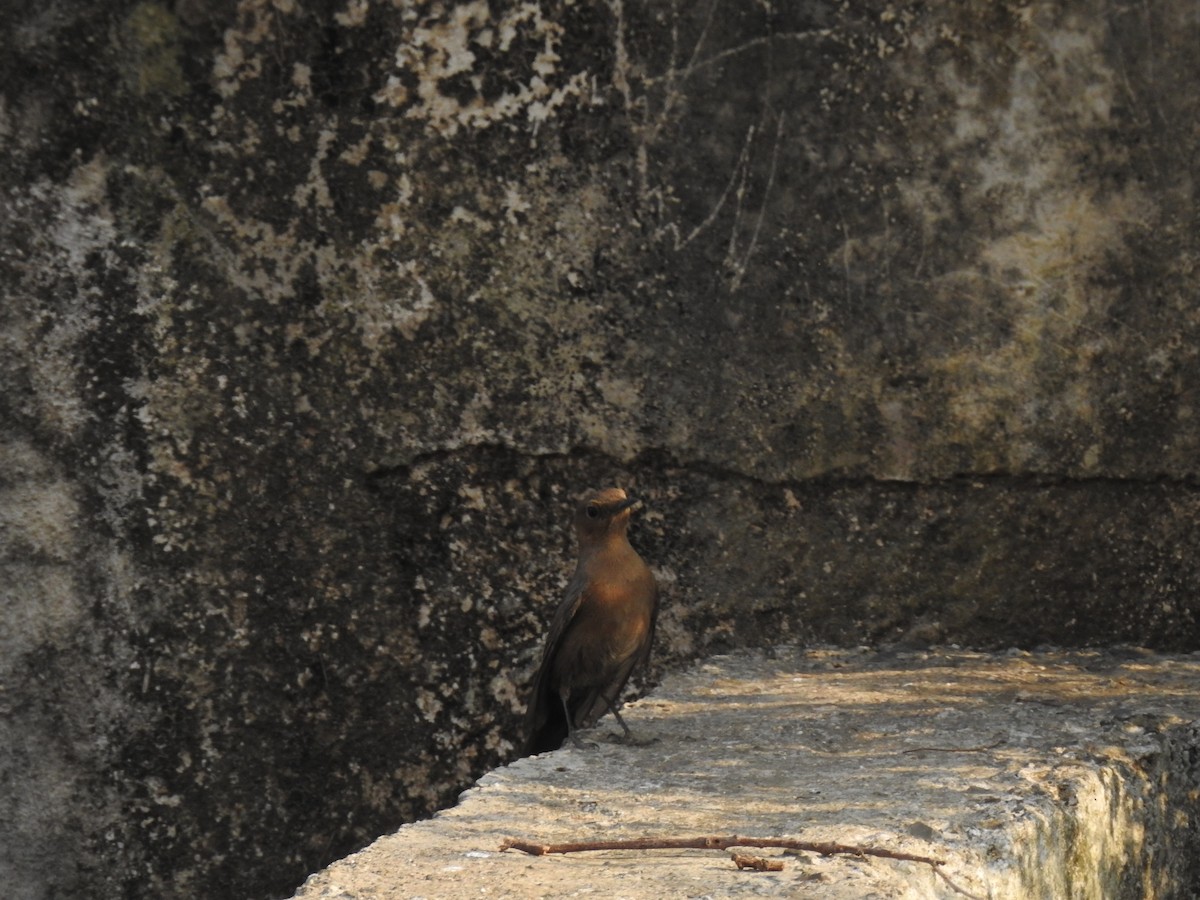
592 510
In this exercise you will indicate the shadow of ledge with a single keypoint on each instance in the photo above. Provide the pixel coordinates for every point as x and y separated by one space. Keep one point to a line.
1068 774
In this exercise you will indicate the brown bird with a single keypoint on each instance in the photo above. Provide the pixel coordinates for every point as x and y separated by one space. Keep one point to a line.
600 632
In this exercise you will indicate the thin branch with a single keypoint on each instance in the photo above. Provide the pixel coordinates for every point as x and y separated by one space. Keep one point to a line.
719 842
716 842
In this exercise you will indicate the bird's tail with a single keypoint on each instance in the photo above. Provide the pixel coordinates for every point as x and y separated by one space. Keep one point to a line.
551 733
546 726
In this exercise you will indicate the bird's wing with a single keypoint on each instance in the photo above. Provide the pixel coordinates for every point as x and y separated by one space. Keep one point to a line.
564 614
545 720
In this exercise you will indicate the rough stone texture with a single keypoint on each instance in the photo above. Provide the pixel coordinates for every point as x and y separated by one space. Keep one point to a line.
316 317
1043 775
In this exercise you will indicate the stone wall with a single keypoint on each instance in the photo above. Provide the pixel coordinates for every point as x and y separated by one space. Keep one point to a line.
317 316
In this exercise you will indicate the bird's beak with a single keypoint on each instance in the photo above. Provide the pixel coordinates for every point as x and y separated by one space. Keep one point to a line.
632 503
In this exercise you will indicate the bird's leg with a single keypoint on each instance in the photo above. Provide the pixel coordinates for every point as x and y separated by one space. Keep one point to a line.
571 725
628 738
612 709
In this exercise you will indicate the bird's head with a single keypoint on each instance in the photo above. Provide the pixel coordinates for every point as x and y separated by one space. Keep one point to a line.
604 512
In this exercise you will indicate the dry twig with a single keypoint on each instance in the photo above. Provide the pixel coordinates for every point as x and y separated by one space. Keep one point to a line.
723 842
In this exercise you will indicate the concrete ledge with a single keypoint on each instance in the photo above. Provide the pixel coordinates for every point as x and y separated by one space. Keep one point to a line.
1034 775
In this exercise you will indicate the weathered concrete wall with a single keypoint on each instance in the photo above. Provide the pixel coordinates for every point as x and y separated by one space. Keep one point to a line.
316 317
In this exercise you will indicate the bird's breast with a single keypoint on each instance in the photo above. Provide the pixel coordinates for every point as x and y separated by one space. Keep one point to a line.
620 615
610 626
